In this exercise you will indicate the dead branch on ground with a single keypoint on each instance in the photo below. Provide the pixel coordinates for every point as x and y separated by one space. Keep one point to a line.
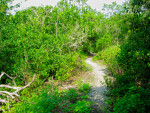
17 89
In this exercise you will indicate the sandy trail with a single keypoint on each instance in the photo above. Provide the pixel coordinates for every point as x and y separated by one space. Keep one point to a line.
98 84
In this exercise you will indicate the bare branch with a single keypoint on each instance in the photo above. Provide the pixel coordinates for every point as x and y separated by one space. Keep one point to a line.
27 84
11 87
2 75
8 93
3 101
13 94
8 77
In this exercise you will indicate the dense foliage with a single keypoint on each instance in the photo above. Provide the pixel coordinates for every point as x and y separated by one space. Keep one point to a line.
130 65
50 99
50 42
43 40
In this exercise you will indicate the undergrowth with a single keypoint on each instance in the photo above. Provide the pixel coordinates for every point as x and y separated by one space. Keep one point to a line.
126 94
50 99
108 55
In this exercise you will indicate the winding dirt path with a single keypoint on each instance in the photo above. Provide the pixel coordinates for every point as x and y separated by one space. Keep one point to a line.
96 79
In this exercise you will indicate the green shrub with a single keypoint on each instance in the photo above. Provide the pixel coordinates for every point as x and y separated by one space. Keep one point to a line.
103 42
109 56
82 107
136 100
47 100
72 95
84 96
134 60
84 88
98 56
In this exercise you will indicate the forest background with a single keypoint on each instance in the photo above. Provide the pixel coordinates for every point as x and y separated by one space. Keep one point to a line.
52 42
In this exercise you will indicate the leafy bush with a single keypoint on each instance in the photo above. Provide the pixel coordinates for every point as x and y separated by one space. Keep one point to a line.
109 56
98 56
72 95
49 99
134 59
135 100
46 101
103 42
130 91
82 107
84 88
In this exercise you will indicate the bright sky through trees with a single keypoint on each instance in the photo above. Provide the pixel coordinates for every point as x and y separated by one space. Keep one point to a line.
95 4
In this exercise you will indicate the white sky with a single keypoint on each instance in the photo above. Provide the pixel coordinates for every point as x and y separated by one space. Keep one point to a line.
95 4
